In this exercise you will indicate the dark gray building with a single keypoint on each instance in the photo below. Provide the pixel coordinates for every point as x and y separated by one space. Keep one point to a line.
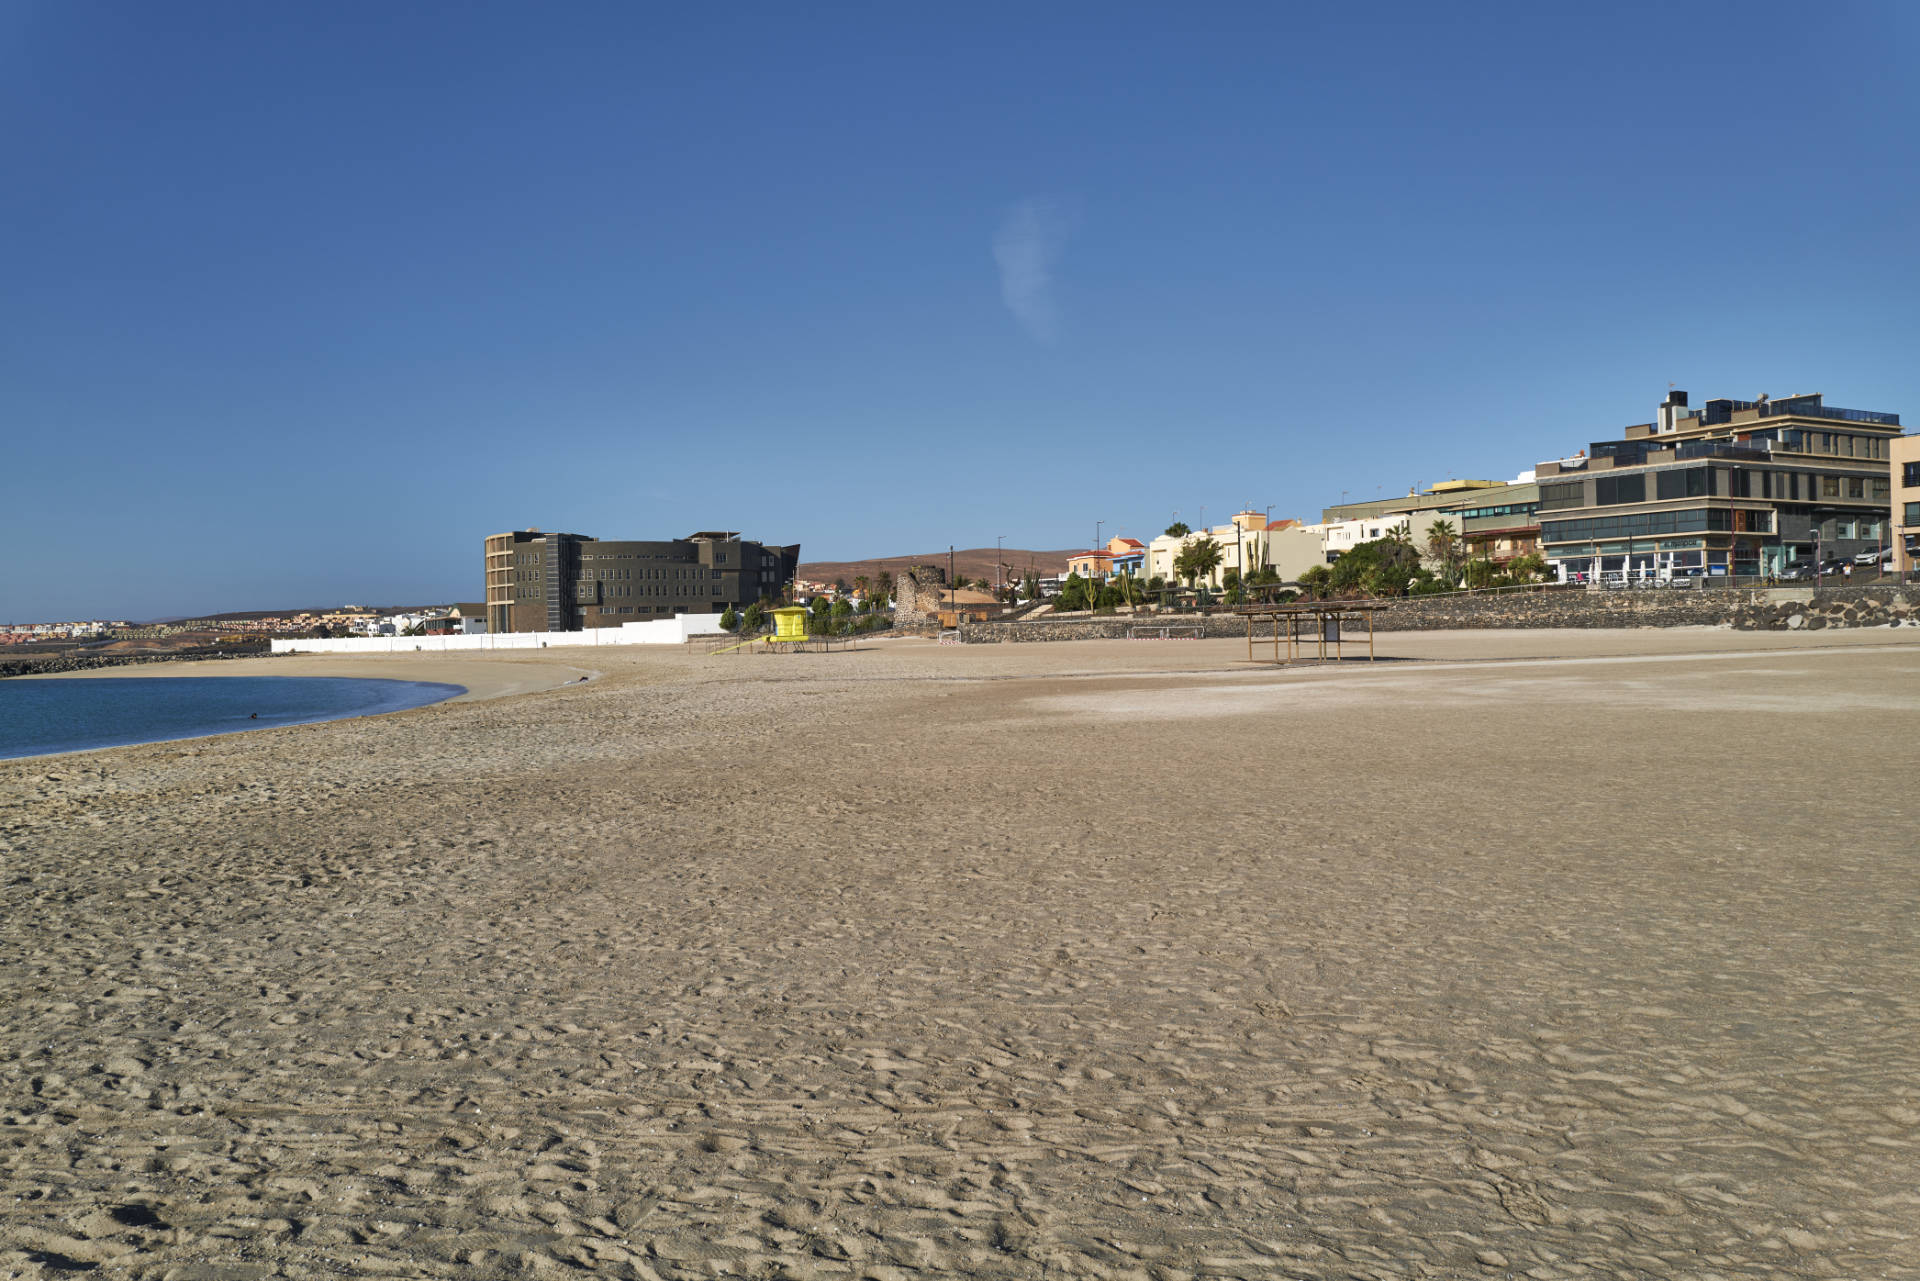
1740 487
540 582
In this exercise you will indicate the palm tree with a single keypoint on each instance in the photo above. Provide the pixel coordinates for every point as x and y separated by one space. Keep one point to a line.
1443 546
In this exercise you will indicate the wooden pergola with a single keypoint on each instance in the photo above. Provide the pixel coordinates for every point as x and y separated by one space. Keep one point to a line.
1317 621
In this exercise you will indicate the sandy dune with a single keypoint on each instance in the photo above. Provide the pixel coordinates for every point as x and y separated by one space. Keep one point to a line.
1555 955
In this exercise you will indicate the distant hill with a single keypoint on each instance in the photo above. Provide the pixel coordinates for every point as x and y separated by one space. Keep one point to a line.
972 562
239 615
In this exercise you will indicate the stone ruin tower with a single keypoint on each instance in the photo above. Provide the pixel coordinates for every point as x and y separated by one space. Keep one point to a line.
917 597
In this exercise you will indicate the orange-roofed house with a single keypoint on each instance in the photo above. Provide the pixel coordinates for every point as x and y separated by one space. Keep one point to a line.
1096 564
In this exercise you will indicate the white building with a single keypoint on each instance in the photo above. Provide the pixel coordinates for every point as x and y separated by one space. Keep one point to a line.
1246 544
1344 535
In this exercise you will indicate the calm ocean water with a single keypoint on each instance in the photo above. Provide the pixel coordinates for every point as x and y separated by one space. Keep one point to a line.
39 716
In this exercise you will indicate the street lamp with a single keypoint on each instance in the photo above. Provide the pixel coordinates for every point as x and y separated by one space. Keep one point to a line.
999 561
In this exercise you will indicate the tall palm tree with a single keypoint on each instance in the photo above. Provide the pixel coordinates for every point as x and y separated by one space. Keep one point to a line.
1442 545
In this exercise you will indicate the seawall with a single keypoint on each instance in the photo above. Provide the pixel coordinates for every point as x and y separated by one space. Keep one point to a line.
1755 609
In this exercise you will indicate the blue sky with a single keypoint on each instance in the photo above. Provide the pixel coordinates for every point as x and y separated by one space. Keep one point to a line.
303 301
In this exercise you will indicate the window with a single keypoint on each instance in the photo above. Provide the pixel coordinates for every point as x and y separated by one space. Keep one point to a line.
1912 520
1740 483
1882 489
1856 487
1829 487
1689 482
1610 490
1554 497
1909 475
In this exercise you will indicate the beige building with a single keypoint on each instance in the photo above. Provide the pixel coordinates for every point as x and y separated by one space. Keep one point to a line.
1905 454
1292 548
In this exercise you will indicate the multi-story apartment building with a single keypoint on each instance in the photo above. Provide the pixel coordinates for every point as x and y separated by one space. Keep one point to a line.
1498 526
540 582
1734 487
1495 520
1905 466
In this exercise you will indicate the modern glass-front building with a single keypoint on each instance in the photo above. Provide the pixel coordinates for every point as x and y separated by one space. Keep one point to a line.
1735 487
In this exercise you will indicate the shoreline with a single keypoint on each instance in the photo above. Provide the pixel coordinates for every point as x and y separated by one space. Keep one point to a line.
477 680
483 678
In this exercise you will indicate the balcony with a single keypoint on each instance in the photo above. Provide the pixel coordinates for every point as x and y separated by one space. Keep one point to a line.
1800 409
1718 449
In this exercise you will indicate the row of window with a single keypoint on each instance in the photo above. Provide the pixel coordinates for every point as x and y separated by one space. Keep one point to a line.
676 575
720 557
591 589
1648 524
1840 443
1719 482
621 575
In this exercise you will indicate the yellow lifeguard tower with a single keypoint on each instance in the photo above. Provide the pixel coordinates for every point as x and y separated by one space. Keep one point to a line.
789 624
789 636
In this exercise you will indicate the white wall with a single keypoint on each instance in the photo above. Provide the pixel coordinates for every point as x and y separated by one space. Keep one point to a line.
657 631
1345 535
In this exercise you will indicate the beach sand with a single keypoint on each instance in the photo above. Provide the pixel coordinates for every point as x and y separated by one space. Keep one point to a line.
1547 954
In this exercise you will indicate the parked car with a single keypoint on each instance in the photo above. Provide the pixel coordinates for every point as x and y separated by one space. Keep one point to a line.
1873 555
1797 570
1836 566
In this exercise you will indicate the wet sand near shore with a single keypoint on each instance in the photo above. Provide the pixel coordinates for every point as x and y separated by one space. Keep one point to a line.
1549 955
484 675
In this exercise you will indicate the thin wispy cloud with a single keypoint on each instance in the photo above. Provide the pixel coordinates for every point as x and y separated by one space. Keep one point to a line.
1026 247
